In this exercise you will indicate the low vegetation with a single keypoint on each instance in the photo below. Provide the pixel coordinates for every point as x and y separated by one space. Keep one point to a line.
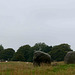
26 68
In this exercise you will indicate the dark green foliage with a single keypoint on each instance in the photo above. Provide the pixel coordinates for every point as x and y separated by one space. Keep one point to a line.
7 54
30 59
43 47
28 51
18 57
58 52
25 51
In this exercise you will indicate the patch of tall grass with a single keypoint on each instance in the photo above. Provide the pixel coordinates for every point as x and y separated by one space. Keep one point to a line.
24 68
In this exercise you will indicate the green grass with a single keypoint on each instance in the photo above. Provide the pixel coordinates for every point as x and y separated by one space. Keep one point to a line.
23 68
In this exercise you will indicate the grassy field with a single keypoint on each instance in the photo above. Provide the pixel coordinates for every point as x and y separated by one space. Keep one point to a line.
22 68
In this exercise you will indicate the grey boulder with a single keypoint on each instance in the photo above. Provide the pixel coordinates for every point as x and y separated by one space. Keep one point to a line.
41 57
70 58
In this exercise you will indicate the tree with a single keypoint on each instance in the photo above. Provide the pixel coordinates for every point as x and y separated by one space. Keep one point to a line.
7 54
25 51
42 47
58 52
18 57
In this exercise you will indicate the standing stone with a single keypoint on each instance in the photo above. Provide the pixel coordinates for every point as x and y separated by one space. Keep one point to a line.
41 57
70 58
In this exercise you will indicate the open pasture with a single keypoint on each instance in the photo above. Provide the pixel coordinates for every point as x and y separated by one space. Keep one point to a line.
26 68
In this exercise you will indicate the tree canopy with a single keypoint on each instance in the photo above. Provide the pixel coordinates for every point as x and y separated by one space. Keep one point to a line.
7 54
59 51
25 52
18 57
42 47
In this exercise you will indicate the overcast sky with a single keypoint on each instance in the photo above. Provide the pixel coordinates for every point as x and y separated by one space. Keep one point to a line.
30 21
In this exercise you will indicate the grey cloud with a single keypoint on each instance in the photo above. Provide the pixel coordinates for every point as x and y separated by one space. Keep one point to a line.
30 21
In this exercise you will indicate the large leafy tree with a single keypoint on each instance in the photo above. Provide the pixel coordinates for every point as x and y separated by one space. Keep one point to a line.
59 51
7 54
42 47
18 57
25 51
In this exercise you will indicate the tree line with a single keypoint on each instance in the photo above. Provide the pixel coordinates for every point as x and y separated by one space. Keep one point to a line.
25 53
